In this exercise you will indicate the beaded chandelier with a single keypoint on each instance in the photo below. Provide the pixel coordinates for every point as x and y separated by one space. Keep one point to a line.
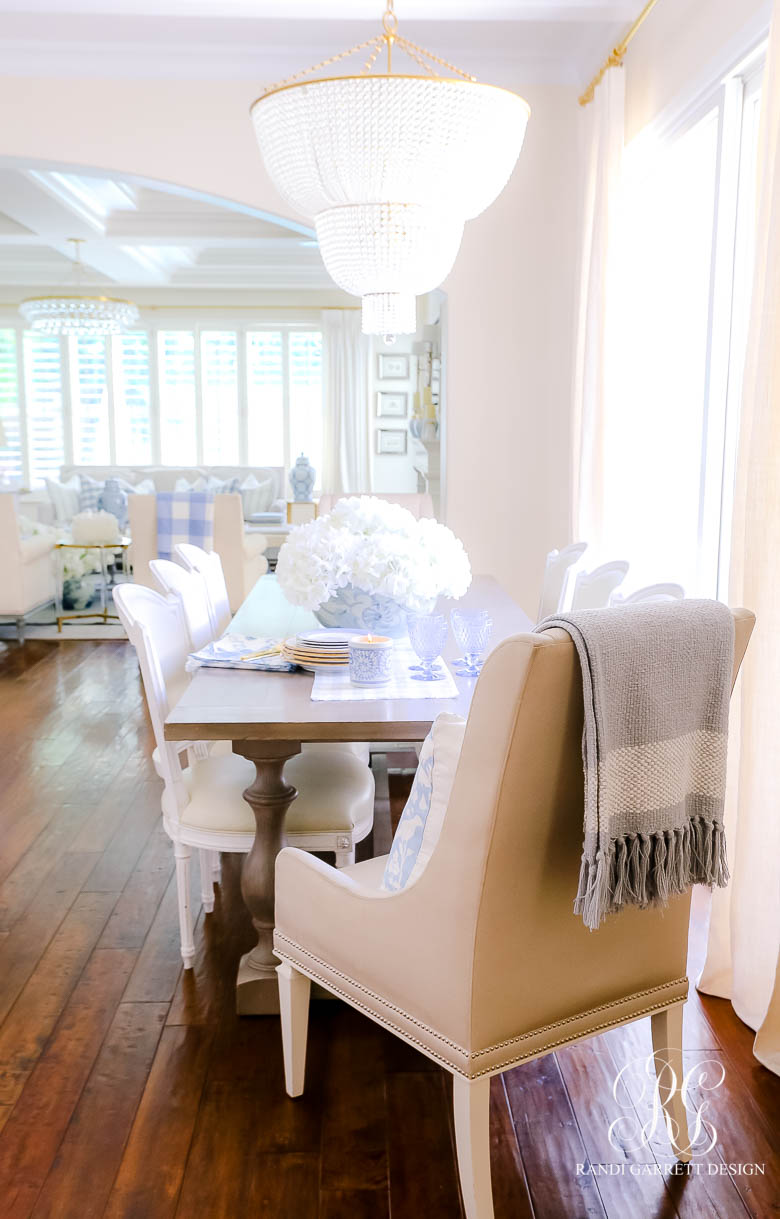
389 167
77 314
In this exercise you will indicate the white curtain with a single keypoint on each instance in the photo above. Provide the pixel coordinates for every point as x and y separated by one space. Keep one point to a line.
743 949
346 462
605 122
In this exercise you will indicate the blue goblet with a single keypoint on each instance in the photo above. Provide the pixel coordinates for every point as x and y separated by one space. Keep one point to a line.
427 635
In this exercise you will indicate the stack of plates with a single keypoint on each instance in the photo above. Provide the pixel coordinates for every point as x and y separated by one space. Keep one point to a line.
315 650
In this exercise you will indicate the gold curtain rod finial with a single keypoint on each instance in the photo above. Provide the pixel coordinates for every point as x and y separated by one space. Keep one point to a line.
616 56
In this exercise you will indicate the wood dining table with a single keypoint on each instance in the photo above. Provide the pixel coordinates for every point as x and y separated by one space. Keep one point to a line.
268 716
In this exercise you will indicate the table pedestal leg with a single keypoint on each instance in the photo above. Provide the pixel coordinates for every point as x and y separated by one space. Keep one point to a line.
269 797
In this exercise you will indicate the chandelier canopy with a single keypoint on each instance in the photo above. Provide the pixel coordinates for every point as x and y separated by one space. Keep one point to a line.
75 313
389 167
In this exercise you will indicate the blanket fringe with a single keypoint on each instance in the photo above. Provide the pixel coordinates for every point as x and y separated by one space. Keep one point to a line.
648 869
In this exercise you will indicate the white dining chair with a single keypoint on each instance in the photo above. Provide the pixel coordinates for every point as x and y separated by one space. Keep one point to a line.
209 565
557 569
173 580
593 589
651 592
202 804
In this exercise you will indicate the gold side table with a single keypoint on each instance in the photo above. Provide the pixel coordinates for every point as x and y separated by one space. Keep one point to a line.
100 581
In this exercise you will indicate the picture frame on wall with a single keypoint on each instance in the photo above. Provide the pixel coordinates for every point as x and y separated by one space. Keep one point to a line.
391 442
391 405
392 366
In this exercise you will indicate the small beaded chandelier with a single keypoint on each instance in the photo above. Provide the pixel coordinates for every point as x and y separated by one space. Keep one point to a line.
389 166
75 313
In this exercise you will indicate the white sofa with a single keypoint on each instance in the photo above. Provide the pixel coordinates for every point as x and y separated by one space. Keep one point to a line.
38 505
26 567
242 552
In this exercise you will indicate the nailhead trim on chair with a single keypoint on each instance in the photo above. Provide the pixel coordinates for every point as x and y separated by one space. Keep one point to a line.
543 1049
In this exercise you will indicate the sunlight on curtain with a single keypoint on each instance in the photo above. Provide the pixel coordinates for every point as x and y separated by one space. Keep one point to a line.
656 376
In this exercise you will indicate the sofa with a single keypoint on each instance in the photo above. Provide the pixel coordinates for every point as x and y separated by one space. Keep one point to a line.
242 551
38 503
26 568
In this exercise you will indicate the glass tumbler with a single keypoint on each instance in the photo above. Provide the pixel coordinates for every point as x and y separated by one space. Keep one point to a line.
427 635
472 629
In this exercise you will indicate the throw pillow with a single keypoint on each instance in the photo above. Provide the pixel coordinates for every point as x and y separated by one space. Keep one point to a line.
89 494
256 496
145 487
217 486
64 497
421 821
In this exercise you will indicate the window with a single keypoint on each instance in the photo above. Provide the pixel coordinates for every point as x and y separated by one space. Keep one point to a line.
178 395
677 337
89 401
10 437
219 378
44 406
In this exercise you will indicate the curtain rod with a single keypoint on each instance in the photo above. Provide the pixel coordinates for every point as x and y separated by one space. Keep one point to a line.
615 58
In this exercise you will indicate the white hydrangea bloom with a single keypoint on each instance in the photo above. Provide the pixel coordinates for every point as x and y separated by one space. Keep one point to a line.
374 546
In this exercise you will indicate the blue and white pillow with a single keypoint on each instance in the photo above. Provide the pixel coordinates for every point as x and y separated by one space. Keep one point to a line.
90 493
422 819
64 498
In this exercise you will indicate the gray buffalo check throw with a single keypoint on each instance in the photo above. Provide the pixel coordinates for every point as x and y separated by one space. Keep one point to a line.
656 680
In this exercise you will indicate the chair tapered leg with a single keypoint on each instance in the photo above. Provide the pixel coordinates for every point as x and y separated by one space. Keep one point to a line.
471 1106
667 1048
294 990
182 854
206 865
216 869
345 856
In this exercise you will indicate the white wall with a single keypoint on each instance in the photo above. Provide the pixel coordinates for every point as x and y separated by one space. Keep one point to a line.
510 297
684 45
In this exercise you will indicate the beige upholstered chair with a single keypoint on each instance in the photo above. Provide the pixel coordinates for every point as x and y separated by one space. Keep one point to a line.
27 567
481 963
242 554
418 504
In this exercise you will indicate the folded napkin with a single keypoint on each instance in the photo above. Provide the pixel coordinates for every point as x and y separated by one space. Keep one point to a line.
226 653
656 680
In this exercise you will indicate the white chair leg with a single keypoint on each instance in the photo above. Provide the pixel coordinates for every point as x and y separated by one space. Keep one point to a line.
206 880
471 1107
216 869
182 854
294 990
666 1028
345 851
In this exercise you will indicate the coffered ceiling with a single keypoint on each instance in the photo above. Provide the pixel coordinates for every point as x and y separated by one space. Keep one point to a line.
136 237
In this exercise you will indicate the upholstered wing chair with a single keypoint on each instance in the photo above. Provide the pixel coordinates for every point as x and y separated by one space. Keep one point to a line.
481 963
242 553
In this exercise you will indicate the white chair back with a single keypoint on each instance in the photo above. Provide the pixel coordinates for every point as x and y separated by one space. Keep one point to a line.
556 572
190 588
593 589
209 565
157 629
651 592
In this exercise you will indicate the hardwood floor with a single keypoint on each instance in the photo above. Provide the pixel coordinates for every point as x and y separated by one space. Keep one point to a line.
130 1089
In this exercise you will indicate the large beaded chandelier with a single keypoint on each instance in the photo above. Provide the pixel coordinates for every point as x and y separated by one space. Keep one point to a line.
75 313
389 166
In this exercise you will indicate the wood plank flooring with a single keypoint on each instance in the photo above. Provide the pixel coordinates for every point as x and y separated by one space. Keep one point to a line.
130 1089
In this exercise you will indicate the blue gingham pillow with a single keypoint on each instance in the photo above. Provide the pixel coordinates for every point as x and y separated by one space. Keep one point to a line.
90 493
422 819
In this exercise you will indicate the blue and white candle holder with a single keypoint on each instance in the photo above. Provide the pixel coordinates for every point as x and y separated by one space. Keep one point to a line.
370 660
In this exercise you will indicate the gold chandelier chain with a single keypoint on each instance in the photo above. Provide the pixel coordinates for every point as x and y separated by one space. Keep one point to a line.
377 42
418 59
368 65
408 46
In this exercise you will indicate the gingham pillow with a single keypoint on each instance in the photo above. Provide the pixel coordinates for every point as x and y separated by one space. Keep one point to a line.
89 494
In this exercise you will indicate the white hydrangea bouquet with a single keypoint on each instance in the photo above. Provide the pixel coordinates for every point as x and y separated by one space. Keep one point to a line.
369 562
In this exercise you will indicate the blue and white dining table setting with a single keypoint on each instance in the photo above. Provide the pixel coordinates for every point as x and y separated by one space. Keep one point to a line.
267 623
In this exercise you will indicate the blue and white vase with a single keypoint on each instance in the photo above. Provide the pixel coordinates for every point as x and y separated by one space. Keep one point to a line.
302 477
353 608
114 500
